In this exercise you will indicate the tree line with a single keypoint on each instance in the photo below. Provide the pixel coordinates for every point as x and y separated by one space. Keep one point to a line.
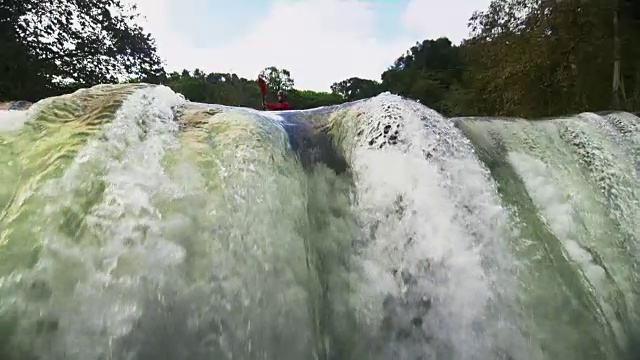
232 90
527 58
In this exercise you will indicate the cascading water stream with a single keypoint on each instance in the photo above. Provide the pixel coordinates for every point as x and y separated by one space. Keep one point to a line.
137 225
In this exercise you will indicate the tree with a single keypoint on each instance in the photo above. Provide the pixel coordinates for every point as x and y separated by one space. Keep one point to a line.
427 72
538 57
54 46
232 90
277 79
307 99
626 29
356 88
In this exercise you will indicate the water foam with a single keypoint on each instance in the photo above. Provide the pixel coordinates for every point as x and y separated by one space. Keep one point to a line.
12 119
437 224
210 240
122 171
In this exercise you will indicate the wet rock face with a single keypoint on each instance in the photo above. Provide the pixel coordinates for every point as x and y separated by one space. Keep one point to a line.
388 135
386 129
314 147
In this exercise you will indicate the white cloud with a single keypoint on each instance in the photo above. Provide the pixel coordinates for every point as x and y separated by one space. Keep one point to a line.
319 41
432 19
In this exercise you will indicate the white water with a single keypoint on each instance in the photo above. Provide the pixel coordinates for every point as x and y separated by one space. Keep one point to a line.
439 221
12 119
214 242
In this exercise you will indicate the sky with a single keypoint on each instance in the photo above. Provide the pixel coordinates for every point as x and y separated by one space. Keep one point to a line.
319 41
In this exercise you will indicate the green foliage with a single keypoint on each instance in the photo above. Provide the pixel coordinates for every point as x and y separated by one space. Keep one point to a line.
537 58
307 99
277 79
356 88
231 90
50 47
429 72
525 58
216 88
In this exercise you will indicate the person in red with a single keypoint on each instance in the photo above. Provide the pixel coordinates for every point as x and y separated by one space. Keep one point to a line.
281 105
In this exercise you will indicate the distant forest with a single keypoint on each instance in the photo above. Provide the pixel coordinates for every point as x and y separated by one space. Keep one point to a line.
526 58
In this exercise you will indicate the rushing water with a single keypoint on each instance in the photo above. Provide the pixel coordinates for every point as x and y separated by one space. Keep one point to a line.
137 225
